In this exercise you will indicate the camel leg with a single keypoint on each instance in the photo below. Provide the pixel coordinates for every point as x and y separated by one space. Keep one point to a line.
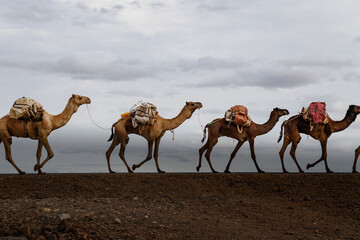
201 151
148 157
293 150
50 153
38 157
208 152
357 152
7 145
156 154
282 151
122 154
233 154
114 143
253 156
322 158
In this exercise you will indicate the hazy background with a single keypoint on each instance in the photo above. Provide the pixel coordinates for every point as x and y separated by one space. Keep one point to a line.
261 54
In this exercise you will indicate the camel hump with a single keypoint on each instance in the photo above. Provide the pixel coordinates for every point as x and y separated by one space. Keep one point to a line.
26 108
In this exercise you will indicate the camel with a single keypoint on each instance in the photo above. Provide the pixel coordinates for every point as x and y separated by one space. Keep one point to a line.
152 133
39 130
357 152
296 125
219 127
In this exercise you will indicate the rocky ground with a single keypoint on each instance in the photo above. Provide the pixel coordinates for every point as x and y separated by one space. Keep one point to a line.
180 206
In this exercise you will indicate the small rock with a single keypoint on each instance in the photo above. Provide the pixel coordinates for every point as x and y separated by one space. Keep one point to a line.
64 216
117 220
146 216
46 209
135 198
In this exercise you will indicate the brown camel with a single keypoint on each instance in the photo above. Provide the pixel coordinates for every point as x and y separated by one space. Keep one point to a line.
220 127
152 133
296 125
357 152
37 130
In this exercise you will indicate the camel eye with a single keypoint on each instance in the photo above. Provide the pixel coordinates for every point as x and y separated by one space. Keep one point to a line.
80 98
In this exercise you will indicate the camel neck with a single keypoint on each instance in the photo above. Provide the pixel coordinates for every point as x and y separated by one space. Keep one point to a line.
61 119
349 118
266 127
173 123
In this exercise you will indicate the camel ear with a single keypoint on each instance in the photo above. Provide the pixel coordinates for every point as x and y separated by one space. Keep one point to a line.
187 103
73 96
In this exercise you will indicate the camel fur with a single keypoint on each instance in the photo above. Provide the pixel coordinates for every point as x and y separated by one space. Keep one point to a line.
220 127
152 133
296 125
39 130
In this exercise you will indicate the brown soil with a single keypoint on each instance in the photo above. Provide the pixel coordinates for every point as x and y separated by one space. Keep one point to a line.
180 206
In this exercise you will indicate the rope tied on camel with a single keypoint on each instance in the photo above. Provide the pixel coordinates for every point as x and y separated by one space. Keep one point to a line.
94 121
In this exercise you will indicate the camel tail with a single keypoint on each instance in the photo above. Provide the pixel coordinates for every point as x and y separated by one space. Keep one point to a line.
204 133
281 132
112 132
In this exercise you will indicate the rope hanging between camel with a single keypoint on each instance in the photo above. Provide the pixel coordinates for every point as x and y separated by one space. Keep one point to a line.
201 126
93 120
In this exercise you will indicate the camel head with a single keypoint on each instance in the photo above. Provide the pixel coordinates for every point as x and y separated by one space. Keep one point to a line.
354 109
192 106
80 100
281 112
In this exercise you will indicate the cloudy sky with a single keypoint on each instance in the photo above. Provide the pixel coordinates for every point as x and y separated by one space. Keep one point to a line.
261 54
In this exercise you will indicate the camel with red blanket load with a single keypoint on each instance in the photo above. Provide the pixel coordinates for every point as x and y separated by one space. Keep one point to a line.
320 131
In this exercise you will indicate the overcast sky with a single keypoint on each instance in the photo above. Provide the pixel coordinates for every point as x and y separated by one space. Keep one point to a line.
261 54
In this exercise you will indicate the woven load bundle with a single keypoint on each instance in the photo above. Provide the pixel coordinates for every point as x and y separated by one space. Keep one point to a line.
25 108
143 113
317 112
238 114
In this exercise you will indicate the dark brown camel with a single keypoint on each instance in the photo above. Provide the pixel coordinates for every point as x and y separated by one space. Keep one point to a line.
296 125
357 152
152 133
220 127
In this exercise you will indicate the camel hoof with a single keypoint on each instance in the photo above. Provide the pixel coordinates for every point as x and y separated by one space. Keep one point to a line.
354 171
22 173
329 171
284 171
129 171
227 171
197 168
111 171
215 171
161 171
36 167
261 171
41 173
301 171
134 167
308 166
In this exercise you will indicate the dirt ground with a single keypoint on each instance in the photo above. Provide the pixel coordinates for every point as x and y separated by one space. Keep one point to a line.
180 206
